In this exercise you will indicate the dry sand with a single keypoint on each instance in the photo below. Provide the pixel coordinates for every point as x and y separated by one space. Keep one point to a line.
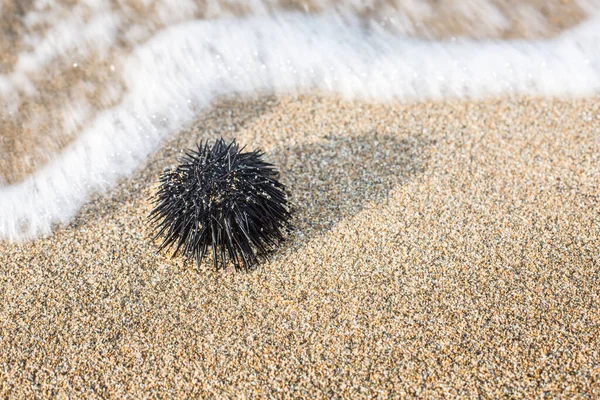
442 249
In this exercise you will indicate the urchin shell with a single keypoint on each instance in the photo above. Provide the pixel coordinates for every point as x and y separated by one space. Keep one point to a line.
222 198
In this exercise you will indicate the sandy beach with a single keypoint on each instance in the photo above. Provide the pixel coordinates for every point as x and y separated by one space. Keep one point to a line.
442 249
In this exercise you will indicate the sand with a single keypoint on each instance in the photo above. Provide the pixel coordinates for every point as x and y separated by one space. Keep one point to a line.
442 249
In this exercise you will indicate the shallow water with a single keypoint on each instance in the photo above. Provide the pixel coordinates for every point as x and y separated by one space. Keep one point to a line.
89 91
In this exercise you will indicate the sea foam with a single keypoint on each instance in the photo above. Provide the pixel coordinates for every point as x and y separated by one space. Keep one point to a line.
184 67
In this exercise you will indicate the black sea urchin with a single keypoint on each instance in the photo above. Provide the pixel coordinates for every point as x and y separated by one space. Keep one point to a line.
223 198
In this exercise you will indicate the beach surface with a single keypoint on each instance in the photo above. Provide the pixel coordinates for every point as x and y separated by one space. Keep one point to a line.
442 249
446 248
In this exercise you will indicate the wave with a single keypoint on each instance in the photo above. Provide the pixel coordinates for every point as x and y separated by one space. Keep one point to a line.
184 67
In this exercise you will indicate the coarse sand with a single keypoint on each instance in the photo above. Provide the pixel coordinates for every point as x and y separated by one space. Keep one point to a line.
442 248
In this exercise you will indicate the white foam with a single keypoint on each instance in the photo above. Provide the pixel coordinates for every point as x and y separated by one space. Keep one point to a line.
63 36
186 66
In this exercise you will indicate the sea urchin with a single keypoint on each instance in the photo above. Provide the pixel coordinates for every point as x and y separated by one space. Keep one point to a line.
222 198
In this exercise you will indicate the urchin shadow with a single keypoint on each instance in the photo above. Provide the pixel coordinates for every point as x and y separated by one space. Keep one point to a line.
335 179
